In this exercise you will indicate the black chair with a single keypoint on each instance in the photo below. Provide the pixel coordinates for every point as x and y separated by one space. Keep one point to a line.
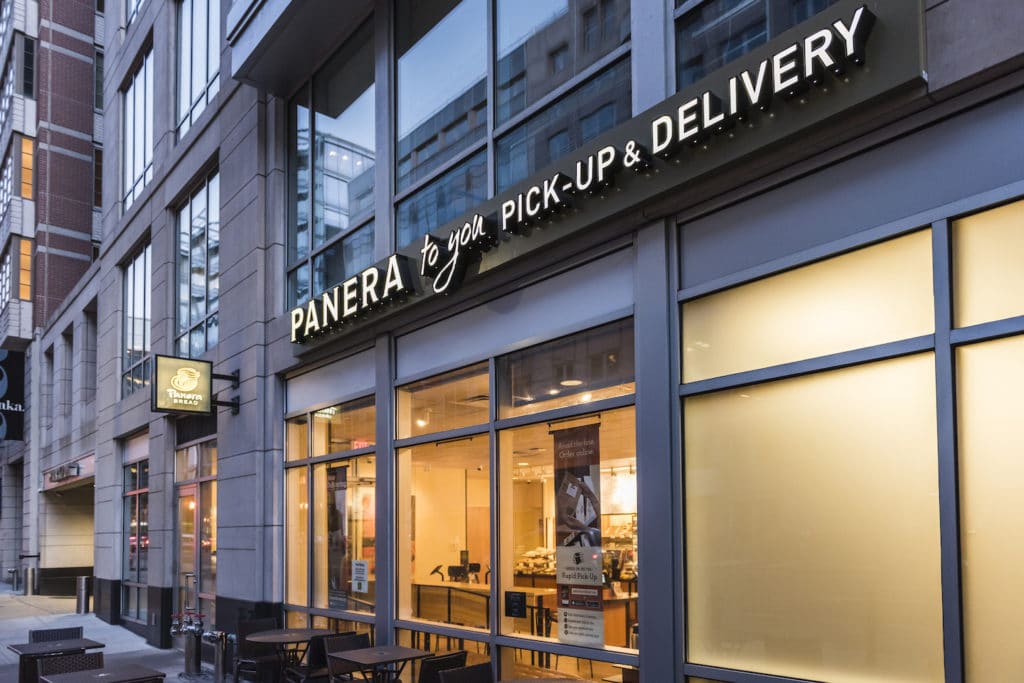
50 635
65 664
255 659
478 673
315 668
337 669
431 667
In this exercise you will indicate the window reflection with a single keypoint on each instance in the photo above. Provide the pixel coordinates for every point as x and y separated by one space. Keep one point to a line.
542 44
343 103
718 32
453 194
442 86
598 105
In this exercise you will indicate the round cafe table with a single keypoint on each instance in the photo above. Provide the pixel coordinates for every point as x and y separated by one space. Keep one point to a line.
289 643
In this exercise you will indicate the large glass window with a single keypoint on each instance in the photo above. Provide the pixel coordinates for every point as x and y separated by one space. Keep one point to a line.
450 401
332 172
812 525
542 44
442 83
448 197
135 536
566 479
198 58
137 138
711 34
331 509
136 307
870 296
991 516
596 106
988 249
199 270
444 522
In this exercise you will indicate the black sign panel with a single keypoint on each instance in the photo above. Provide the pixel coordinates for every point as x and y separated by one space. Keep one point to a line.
515 604
12 395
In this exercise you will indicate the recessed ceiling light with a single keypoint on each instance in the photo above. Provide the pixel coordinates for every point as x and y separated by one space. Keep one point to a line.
524 464
571 382
553 392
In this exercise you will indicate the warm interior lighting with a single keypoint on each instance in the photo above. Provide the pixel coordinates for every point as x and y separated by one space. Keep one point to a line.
571 382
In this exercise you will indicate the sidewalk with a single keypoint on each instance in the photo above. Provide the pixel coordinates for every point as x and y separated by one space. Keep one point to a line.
19 613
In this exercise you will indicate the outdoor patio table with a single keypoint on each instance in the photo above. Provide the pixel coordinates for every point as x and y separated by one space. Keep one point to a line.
29 653
289 643
112 673
380 662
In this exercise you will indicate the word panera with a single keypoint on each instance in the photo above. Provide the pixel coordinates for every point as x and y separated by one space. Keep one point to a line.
697 121
376 286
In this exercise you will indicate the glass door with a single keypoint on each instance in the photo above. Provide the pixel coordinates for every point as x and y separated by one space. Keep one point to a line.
197 549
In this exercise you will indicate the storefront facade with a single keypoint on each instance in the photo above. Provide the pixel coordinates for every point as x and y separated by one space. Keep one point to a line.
586 337
755 334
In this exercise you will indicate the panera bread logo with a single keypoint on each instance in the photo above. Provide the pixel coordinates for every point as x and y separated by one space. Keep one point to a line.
182 385
185 379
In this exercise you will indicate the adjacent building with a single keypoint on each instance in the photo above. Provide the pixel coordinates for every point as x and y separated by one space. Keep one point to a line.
618 339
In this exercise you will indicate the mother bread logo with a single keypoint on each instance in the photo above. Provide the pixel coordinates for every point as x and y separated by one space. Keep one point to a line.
186 379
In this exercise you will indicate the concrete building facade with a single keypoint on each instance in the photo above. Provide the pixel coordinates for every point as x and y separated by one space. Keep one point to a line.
600 337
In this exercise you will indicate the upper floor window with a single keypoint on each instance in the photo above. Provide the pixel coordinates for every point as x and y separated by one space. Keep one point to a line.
198 58
561 77
28 69
131 10
5 280
135 317
6 187
97 102
712 33
138 132
199 270
24 269
7 96
332 172
27 167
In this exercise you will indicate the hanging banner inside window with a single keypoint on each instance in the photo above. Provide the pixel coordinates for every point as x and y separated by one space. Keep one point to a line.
12 396
578 535
182 385
337 547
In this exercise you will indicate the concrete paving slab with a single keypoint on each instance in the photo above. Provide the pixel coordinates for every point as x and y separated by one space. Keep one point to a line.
20 613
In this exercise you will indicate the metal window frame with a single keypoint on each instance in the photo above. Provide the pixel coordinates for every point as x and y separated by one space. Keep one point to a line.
943 344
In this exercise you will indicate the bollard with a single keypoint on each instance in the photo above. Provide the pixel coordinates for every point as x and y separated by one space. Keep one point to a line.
81 594
13 573
30 581
219 640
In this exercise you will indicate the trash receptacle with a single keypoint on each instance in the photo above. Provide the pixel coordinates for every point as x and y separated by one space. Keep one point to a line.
13 573
82 594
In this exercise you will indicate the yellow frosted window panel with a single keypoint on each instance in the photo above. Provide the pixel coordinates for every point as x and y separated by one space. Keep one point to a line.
988 249
26 168
812 526
25 270
297 536
874 295
991 435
